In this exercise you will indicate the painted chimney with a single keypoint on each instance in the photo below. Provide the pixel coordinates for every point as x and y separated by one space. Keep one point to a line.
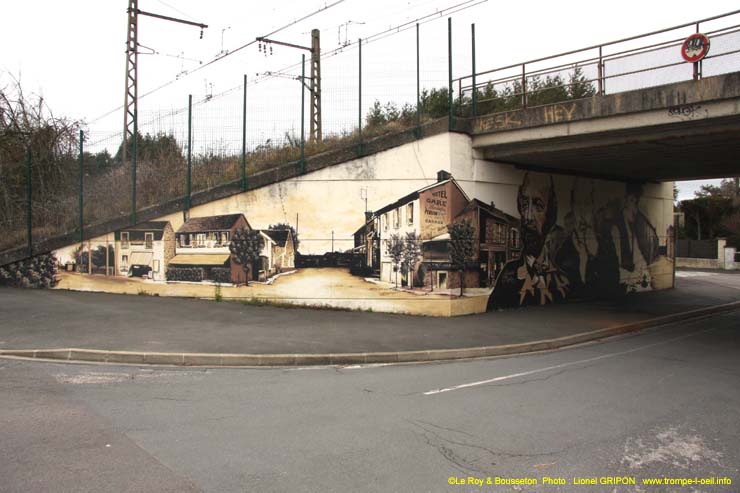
443 175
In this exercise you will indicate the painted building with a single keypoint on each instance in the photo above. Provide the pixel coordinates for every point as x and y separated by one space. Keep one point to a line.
203 243
496 241
367 247
278 253
145 250
424 214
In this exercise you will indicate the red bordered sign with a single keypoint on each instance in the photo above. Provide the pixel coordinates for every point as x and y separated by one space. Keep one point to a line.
695 47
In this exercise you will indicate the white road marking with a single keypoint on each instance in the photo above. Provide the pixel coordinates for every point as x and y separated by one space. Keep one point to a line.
365 366
562 365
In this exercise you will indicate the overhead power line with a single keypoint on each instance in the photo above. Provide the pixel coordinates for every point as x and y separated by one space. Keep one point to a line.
220 57
459 7
467 4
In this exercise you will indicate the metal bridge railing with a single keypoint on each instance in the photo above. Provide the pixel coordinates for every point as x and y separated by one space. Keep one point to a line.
636 62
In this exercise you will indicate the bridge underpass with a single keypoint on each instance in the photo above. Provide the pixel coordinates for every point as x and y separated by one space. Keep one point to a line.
682 131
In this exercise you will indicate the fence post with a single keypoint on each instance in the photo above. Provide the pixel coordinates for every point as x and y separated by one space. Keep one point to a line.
359 98
601 73
524 85
244 137
189 183
697 67
418 95
82 163
475 89
133 169
675 246
302 163
29 210
449 67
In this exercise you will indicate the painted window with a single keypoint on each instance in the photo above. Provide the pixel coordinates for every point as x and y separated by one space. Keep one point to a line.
149 240
515 239
124 240
155 266
124 262
410 214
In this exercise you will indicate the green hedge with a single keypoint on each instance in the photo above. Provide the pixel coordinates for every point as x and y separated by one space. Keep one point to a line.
36 272
221 274
192 274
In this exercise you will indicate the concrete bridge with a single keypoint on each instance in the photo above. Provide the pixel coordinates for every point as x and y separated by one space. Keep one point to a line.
682 131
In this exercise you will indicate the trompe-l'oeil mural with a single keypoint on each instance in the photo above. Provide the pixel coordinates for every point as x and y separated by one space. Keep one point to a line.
536 239
597 251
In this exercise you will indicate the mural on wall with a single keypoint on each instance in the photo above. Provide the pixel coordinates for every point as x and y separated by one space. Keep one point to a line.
598 251
557 238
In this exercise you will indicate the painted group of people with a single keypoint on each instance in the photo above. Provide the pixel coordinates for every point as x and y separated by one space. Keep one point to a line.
596 252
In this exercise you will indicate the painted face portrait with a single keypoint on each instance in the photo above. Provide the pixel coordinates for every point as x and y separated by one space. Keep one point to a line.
537 209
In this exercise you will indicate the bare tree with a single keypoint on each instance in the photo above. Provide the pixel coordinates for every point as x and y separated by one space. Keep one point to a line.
411 253
394 249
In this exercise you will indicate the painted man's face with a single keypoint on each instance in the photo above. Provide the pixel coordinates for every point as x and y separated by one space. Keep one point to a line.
533 204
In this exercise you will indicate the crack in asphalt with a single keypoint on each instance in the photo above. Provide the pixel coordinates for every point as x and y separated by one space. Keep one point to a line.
416 421
438 441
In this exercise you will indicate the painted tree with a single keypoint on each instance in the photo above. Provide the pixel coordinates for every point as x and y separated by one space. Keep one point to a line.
411 254
394 249
461 247
245 247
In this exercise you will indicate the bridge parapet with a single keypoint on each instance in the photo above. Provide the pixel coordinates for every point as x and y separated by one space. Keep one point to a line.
679 102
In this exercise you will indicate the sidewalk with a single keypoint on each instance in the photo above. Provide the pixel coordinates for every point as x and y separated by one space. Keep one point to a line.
40 319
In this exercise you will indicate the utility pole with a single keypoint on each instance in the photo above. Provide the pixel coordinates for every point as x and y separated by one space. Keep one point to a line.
130 100
315 86
315 126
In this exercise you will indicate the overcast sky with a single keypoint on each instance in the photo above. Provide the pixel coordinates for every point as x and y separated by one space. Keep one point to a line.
73 52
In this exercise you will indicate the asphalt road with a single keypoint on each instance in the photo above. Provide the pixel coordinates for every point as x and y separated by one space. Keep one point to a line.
35 319
664 403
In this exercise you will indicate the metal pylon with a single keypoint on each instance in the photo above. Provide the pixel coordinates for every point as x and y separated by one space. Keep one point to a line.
130 101
315 127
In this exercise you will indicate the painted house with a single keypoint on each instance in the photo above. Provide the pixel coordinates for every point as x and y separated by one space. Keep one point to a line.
367 246
203 243
278 253
425 212
145 250
497 241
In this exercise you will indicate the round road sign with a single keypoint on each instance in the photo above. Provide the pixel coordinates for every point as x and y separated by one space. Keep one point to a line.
695 47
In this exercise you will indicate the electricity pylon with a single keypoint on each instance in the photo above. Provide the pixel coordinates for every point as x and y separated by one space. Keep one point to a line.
315 85
130 100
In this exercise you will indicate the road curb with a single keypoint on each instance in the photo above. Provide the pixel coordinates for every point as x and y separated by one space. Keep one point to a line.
283 360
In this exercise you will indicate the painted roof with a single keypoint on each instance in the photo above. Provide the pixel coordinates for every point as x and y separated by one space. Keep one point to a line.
279 236
497 213
140 258
414 195
200 259
210 223
148 226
